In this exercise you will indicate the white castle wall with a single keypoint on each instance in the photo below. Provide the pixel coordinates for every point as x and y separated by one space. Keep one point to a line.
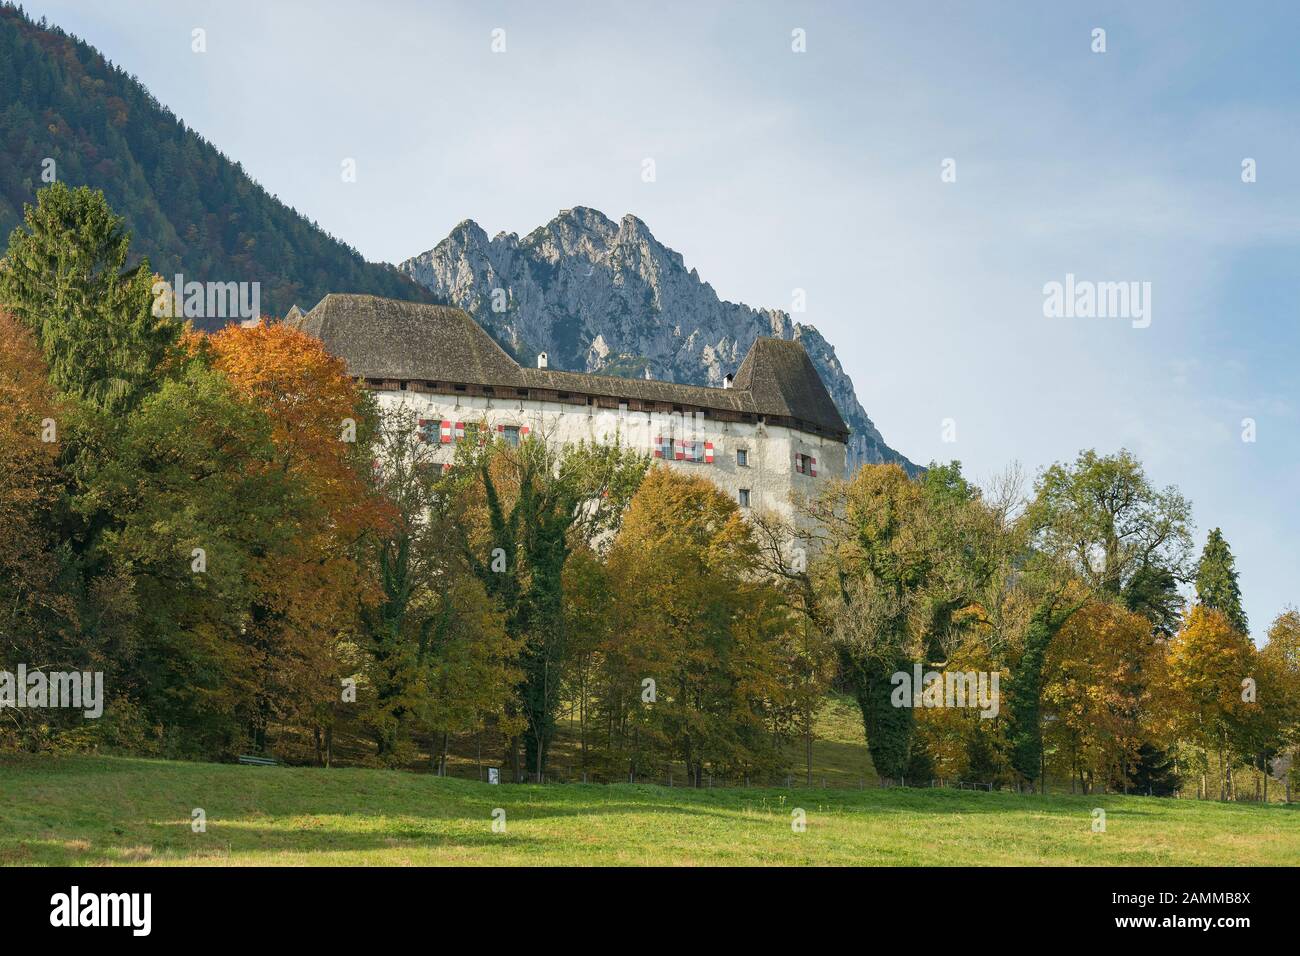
770 474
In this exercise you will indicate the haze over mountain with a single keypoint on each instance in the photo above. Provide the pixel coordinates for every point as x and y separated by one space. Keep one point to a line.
608 297
190 209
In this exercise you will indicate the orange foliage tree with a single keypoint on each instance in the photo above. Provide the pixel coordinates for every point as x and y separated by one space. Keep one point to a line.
309 591
34 613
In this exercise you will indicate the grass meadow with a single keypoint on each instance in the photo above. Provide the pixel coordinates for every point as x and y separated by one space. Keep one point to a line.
88 810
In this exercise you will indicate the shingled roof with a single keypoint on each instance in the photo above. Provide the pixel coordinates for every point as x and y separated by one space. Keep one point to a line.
387 339
781 379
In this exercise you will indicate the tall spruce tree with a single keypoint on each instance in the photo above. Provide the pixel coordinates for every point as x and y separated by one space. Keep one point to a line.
66 276
1216 581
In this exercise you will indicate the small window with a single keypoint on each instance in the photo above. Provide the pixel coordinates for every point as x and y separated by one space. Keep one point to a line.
742 457
805 465
511 435
744 497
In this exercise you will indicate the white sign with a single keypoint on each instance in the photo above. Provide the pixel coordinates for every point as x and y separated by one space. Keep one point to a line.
494 775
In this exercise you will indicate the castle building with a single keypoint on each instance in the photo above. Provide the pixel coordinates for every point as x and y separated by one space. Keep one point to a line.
766 439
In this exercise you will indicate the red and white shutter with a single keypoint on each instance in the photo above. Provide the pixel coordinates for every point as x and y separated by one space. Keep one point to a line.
659 446
460 431
446 432
708 452
501 429
813 469
679 450
523 431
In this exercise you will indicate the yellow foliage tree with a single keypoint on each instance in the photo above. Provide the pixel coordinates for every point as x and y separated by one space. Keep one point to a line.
1208 661
695 617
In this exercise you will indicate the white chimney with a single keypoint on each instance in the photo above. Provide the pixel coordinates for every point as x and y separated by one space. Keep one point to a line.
541 360
727 380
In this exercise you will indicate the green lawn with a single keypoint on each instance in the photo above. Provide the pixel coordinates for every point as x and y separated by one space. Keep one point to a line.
106 810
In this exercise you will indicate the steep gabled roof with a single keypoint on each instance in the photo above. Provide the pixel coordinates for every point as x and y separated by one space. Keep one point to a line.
782 380
389 339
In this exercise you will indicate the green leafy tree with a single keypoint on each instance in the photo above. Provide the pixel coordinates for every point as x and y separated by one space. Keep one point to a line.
199 510
1103 519
437 651
66 275
532 505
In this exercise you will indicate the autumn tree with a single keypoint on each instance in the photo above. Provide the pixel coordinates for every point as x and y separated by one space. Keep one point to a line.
1282 652
37 619
698 666
1098 531
1209 661
1101 678
306 591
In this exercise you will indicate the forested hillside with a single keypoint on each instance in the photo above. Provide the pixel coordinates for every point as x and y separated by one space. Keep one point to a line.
189 207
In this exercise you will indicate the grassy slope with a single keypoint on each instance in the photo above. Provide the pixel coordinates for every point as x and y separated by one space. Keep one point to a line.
95 810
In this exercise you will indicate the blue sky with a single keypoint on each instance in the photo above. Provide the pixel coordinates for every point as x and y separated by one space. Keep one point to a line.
820 170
